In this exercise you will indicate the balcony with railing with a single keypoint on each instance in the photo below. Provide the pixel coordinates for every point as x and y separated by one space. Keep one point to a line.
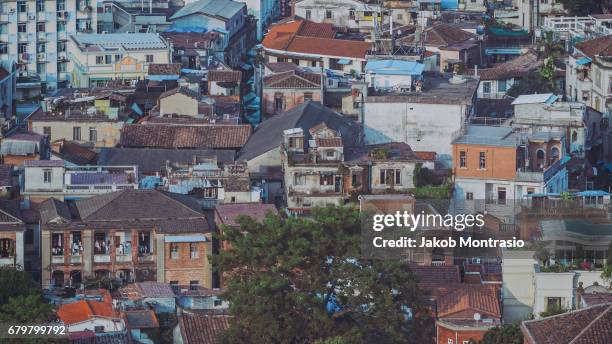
123 258
102 258
76 259
57 259
146 258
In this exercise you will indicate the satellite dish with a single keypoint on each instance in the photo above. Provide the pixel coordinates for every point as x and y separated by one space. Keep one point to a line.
477 316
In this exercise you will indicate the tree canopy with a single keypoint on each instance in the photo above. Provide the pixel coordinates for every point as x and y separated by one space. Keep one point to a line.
586 7
303 281
21 298
505 334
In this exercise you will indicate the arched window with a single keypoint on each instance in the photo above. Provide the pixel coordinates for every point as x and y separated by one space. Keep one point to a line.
554 154
540 158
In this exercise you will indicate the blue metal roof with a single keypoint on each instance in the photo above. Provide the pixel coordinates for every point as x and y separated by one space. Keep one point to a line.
394 67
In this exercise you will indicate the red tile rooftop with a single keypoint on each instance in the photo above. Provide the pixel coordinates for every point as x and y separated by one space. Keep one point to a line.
592 325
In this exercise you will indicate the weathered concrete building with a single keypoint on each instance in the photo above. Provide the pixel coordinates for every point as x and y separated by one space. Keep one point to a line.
286 90
114 235
425 116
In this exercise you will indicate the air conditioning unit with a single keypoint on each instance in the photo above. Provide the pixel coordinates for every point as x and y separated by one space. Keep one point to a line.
32 17
12 10
40 56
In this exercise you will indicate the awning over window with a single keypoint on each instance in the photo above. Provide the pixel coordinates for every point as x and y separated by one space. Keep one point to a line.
344 61
185 238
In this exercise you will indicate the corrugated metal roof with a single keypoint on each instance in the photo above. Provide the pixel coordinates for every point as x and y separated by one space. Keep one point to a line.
395 67
547 98
22 148
127 41
217 8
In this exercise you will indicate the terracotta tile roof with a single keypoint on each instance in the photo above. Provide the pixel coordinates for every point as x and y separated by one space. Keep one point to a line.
330 47
395 151
492 277
312 29
592 299
303 36
6 175
198 328
439 35
83 310
165 68
224 75
601 46
143 318
190 40
149 289
329 142
468 298
11 218
74 152
293 79
182 90
279 67
515 68
430 156
185 136
592 325
436 275
472 279
228 213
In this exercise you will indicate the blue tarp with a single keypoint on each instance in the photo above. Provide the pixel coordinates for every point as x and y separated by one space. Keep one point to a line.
163 77
344 61
185 238
149 182
592 193
395 67
193 71
583 61
136 109
175 28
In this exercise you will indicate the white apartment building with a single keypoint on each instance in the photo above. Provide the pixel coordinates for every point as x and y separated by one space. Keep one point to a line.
426 117
583 28
352 14
589 73
98 59
35 32
532 13
44 179
541 113
528 291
